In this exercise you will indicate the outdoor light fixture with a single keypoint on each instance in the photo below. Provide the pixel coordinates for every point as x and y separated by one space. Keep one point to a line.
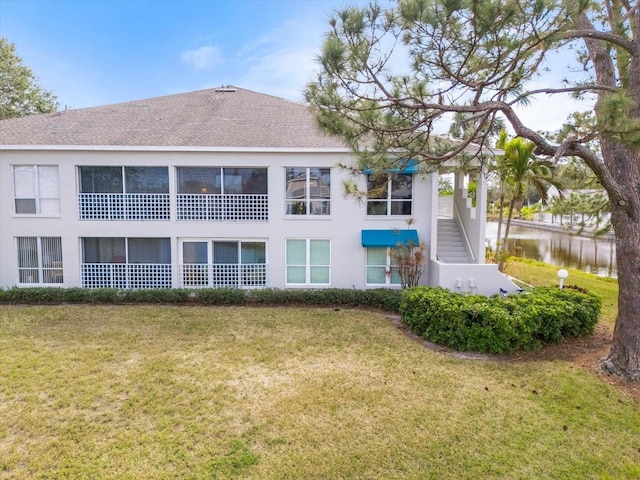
562 274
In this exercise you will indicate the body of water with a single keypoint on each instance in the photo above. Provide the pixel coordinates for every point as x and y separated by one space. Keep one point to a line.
559 248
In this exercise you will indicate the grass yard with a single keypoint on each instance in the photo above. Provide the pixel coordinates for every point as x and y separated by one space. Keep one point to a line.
538 274
153 392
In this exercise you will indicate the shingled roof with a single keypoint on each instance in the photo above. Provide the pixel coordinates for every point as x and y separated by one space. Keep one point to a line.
225 117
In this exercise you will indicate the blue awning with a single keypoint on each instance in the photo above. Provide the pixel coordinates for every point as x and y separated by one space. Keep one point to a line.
389 238
405 166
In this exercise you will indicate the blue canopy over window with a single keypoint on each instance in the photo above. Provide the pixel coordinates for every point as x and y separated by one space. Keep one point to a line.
406 166
389 238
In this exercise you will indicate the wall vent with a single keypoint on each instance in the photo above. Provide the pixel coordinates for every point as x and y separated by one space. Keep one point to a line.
226 89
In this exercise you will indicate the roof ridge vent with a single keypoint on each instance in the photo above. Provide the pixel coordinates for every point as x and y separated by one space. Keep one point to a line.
226 89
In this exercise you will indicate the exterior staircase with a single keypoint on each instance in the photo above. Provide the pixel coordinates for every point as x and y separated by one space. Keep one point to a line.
450 248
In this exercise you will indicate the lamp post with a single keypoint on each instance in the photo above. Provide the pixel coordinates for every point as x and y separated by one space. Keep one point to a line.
562 274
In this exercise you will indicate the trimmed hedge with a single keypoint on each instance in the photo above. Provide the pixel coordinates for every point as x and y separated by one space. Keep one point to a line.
499 325
383 299
459 321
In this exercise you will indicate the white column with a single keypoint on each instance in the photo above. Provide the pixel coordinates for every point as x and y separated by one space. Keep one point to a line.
481 213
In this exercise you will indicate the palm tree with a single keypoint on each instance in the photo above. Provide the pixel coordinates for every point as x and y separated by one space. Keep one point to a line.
522 169
499 169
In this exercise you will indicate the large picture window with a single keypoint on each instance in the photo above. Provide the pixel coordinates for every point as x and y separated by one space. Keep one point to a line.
124 180
308 191
224 194
224 263
40 260
126 250
308 261
389 195
213 180
37 189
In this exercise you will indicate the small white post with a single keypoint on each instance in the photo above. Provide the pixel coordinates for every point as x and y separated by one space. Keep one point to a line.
562 274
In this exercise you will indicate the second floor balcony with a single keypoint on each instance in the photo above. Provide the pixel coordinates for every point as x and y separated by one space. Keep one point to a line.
223 207
123 206
156 206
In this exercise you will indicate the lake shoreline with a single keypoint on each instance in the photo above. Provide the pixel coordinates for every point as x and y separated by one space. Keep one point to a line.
558 246
555 227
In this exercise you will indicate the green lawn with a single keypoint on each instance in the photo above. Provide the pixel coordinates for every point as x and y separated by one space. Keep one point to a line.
288 393
538 273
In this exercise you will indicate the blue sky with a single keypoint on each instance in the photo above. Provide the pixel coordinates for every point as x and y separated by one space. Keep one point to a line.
94 52
97 52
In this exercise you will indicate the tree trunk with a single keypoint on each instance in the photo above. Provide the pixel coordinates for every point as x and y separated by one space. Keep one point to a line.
621 178
624 164
624 357
500 217
506 235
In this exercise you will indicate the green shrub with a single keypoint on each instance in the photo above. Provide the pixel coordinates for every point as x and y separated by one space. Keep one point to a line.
76 295
499 325
103 295
157 295
220 296
383 299
34 295
270 296
528 213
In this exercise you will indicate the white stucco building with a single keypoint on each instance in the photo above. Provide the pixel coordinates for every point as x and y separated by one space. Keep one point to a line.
221 187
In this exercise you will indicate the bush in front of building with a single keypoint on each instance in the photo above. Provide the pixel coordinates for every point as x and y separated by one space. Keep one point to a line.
496 324
218 296
382 299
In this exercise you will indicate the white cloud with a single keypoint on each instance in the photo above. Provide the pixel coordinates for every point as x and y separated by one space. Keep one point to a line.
550 112
203 58
281 62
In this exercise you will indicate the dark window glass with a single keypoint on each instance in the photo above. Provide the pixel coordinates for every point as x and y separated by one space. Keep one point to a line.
104 250
377 187
253 252
308 191
194 252
245 180
25 205
390 195
199 180
101 179
401 186
147 179
225 252
149 250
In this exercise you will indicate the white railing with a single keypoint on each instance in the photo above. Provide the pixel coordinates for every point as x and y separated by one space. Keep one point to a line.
123 206
126 275
223 207
229 275
463 231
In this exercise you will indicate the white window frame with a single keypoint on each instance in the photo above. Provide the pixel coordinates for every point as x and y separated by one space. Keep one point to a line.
308 199
389 266
38 198
389 200
184 266
41 249
308 266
